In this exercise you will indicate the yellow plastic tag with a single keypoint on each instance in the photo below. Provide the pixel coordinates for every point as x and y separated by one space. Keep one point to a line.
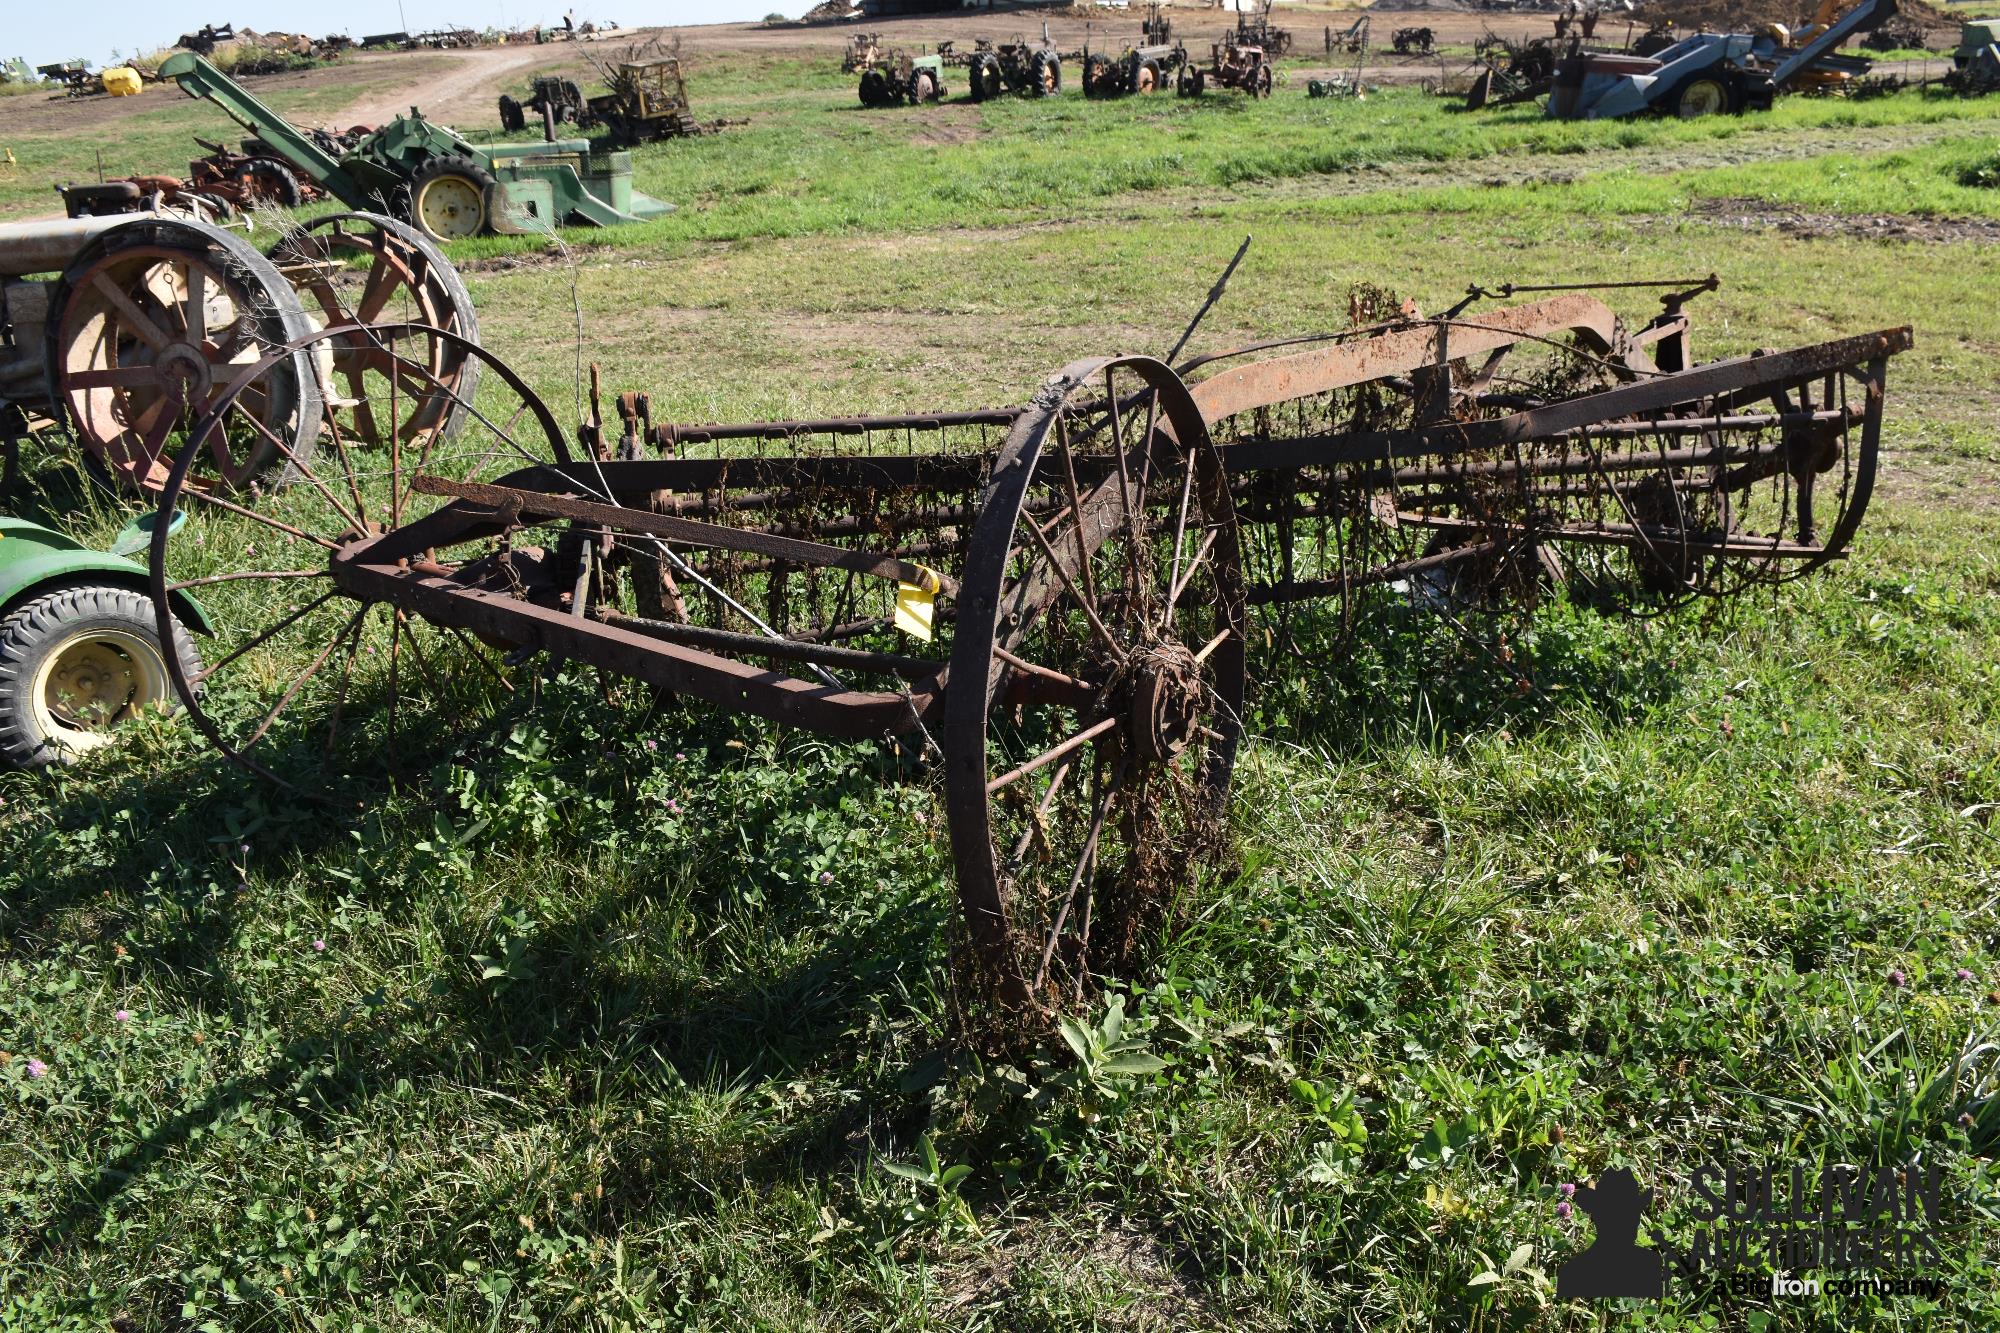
914 604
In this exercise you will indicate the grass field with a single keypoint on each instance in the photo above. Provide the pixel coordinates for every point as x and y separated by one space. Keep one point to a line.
636 1016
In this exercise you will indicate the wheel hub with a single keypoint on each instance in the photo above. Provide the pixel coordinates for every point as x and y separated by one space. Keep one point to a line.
1163 692
91 685
185 371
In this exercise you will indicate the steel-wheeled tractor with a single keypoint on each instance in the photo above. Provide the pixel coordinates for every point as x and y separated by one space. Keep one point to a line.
647 101
1034 70
148 317
902 79
1244 68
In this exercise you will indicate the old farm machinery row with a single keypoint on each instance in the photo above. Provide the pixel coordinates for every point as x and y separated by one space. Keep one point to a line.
1057 602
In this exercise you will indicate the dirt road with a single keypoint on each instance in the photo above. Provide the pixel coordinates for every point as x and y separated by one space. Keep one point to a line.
464 86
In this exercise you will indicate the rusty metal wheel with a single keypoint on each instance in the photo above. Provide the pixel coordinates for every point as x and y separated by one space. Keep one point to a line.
1096 682
306 680
365 268
147 328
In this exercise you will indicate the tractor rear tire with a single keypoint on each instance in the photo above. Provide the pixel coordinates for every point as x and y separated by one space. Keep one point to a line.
76 662
451 198
1260 83
874 88
923 88
1047 69
264 179
984 76
512 118
1148 80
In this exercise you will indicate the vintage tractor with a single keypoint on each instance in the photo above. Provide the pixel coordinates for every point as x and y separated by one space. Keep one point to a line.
553 98
151 315
1413 41
1257 31
1016 66
223 183
80 646
1141 70
1231 65
647 101
424 172
902 79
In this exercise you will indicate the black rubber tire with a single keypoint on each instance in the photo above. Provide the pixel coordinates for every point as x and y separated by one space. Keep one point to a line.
874 88
923 88
1047 70
39 628
280 182
512 118
451 165
1261 85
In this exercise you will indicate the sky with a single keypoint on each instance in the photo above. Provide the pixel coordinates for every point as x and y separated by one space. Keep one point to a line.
46 33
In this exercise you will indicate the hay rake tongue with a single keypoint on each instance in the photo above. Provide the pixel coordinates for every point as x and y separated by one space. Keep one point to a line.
1089 566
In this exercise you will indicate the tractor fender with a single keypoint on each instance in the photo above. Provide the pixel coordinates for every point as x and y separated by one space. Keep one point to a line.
33 558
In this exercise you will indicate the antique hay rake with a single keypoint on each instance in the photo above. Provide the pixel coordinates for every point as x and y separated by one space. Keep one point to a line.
1057 597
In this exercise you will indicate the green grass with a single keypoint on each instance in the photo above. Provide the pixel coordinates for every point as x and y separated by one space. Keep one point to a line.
576 1058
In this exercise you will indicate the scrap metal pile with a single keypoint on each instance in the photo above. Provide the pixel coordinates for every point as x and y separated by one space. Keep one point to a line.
1061 603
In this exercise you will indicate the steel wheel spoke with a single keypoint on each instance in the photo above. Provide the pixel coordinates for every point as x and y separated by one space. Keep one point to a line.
134 319
1086 861
194 317
267 635
353 521
311 671
208 497
240 575
1049 756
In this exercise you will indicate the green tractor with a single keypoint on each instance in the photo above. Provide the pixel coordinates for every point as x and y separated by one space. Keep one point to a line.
902 79
80 646
427 173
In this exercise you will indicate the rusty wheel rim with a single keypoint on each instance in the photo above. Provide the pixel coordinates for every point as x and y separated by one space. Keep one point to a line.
353 270
153 339
305 681
1086 778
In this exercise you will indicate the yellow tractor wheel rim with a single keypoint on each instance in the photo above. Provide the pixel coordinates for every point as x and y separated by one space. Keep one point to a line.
1703 99
95 680
452 207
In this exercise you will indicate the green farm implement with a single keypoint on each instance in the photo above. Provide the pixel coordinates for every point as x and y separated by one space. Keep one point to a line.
427 173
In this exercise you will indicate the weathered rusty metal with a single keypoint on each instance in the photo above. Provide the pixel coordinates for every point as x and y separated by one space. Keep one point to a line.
1094 570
